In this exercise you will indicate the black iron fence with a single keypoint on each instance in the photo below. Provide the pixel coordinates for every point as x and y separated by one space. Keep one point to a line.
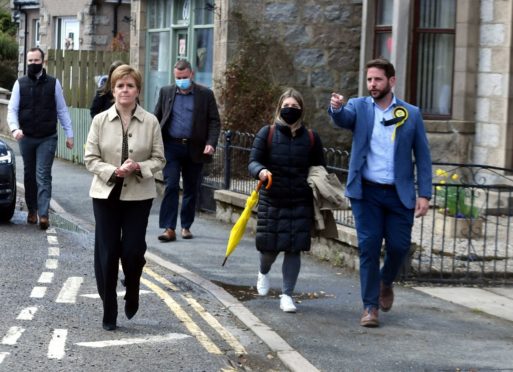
467 236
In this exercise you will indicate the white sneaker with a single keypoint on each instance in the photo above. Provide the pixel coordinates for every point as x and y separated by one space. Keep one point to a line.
287 304
263 284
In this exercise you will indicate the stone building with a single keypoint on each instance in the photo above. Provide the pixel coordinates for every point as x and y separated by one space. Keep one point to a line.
453 57
72 24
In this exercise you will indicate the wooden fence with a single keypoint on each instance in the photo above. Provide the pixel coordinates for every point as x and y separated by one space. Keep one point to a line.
77 70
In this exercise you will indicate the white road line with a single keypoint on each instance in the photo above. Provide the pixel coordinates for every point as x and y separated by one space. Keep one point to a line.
12 335
27 313
51 263
3 354
131 341
51 230
69 291
119 293
38 292
53 251
57 344
46 277
52 240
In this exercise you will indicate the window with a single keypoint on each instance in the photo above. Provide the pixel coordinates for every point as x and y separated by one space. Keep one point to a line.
178 29
383 29
67 33
37 32
433 56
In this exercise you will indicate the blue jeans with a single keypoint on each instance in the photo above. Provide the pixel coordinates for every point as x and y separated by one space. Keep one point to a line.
38 155
380 215
179 162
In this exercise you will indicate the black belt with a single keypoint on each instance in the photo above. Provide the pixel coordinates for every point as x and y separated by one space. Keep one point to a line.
379 185
183 141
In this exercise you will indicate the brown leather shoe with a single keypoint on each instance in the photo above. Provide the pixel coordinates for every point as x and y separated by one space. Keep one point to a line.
169 235
43 222
370 318
32 218
186 234
386 297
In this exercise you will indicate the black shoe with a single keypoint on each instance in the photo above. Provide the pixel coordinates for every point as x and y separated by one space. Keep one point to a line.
109 326
131 308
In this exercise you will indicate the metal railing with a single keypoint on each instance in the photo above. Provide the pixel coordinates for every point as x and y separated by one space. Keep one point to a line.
466 237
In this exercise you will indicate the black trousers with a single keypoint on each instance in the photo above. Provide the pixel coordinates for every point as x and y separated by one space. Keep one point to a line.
120 234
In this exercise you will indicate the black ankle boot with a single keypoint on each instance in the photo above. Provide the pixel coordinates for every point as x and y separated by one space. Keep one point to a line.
131 307
108 326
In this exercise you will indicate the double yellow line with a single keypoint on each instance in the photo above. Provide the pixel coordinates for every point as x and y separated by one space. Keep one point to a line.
182 315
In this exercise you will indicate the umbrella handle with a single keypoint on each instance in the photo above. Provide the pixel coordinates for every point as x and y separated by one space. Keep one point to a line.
269 183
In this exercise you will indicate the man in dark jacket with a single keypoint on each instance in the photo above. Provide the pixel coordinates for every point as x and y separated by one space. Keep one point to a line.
36 103
190 125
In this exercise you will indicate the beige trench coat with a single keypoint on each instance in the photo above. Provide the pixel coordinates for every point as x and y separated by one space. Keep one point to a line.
103 153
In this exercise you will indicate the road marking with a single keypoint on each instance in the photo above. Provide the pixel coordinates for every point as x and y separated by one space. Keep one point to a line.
52 240
193 328
57 344
38 292
214 323
46 277
12 335
120 294
3 354
132 341
27 313
161 279
69 291
51 263
51 230
227 336
53 251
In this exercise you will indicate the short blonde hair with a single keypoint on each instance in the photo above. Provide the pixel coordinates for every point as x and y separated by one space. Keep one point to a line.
124 71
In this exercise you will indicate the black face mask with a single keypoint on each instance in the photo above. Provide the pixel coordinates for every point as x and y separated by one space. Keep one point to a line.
290 114
34 68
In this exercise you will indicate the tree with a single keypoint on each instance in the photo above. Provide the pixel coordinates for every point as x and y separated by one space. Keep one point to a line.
8 50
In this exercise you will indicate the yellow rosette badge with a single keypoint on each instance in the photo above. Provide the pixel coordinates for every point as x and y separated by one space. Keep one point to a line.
401 114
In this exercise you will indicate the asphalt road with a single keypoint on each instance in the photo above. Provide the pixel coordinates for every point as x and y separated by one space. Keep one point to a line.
51 314
421 333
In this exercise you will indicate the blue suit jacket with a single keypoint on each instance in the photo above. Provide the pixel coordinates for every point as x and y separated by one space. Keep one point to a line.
358 116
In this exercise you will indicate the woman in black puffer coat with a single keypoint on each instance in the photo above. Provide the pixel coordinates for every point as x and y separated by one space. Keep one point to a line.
284 152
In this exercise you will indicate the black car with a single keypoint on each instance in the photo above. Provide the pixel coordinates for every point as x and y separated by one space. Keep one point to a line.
7 182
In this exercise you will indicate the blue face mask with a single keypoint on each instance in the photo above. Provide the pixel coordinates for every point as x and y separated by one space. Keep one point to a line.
183 84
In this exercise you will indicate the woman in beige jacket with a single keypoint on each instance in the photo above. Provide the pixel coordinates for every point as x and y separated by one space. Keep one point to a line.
124 150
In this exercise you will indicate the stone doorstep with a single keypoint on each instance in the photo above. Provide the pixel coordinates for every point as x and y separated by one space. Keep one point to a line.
341 251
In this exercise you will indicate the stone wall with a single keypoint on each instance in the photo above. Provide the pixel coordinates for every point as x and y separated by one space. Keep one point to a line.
339 252
4 101
317 50
494 128
451 140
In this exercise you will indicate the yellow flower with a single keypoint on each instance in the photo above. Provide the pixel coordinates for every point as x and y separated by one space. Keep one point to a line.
442 181
441 173
439 188
455 177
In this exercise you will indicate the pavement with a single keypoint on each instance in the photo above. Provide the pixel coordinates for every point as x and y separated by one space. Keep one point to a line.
325 294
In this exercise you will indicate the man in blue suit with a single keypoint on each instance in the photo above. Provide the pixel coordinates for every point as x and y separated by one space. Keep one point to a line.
381 182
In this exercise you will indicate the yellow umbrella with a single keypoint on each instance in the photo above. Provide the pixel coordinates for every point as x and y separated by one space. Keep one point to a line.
238 229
